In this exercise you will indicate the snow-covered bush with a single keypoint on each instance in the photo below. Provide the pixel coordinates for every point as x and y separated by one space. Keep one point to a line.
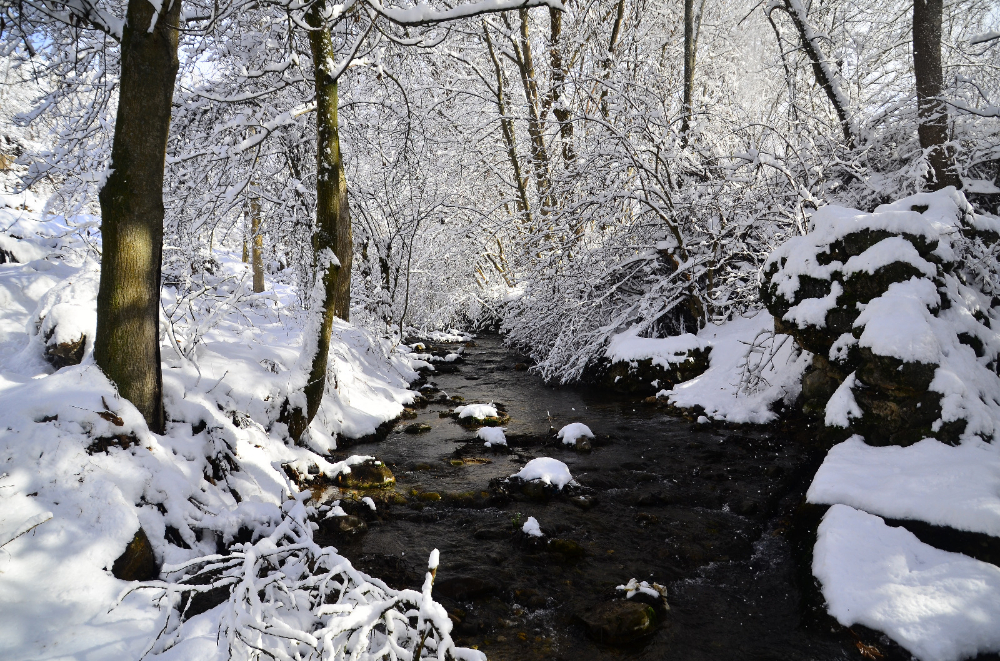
295 599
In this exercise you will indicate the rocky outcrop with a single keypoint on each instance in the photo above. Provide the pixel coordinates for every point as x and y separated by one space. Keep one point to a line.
644 366
137 563
897 330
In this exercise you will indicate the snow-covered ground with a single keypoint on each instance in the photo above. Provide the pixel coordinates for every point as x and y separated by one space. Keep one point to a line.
728 390
80 472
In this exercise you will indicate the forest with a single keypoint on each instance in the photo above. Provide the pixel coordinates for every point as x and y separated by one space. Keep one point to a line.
499 329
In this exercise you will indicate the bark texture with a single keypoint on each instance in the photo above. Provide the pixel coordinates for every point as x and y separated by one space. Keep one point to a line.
931 111
127 346
333 245
257 251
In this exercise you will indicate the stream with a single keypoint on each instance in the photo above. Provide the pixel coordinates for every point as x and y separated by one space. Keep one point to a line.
706 512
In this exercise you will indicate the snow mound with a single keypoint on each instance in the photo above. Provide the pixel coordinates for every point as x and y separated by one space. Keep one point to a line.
492 436
477 411
531 527
664 351
719 390
940 606
955 486
547 470
573 431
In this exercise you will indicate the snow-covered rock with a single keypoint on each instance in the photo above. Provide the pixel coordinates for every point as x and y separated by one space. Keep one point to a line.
531 527
940 606
546 470
492 436
479 411
953 486
573 432
903 340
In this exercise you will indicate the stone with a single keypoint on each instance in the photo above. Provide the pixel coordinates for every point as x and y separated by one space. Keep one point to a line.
340 529
417 428
370 474
137 563
66 353
520 367
567 549
583 502
619 622
637 377
408 414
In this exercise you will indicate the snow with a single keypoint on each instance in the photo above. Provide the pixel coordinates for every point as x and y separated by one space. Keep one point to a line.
898 323
477 411
634 587
812 311
842 407
718 389
940 606
574 431
369 502
492 436
956 486
66 514
546 469
663 351
531 527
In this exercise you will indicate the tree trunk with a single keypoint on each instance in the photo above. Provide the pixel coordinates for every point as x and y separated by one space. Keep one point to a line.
333 247
507 129
562 113
127 345
932 127
257 243
689 54
539 154
825 76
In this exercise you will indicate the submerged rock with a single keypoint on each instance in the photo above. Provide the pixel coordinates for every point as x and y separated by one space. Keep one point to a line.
417 428
340 529
619 622
371 474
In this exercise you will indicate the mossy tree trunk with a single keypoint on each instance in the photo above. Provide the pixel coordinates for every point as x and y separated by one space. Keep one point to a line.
127 346
333 245
932 128
257 243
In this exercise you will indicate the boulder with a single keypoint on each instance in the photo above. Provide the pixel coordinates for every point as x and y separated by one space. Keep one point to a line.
619 622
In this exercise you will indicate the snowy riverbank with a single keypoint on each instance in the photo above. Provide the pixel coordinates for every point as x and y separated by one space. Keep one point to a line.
80 472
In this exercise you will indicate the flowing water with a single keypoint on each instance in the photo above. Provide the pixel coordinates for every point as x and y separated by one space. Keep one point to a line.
707 513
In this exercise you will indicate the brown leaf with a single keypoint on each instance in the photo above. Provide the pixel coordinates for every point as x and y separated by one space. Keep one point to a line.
868 651
109 415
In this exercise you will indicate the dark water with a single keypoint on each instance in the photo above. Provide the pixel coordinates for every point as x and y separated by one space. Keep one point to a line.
706 512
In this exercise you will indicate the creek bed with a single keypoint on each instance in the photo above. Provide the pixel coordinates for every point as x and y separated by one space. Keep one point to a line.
705 512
